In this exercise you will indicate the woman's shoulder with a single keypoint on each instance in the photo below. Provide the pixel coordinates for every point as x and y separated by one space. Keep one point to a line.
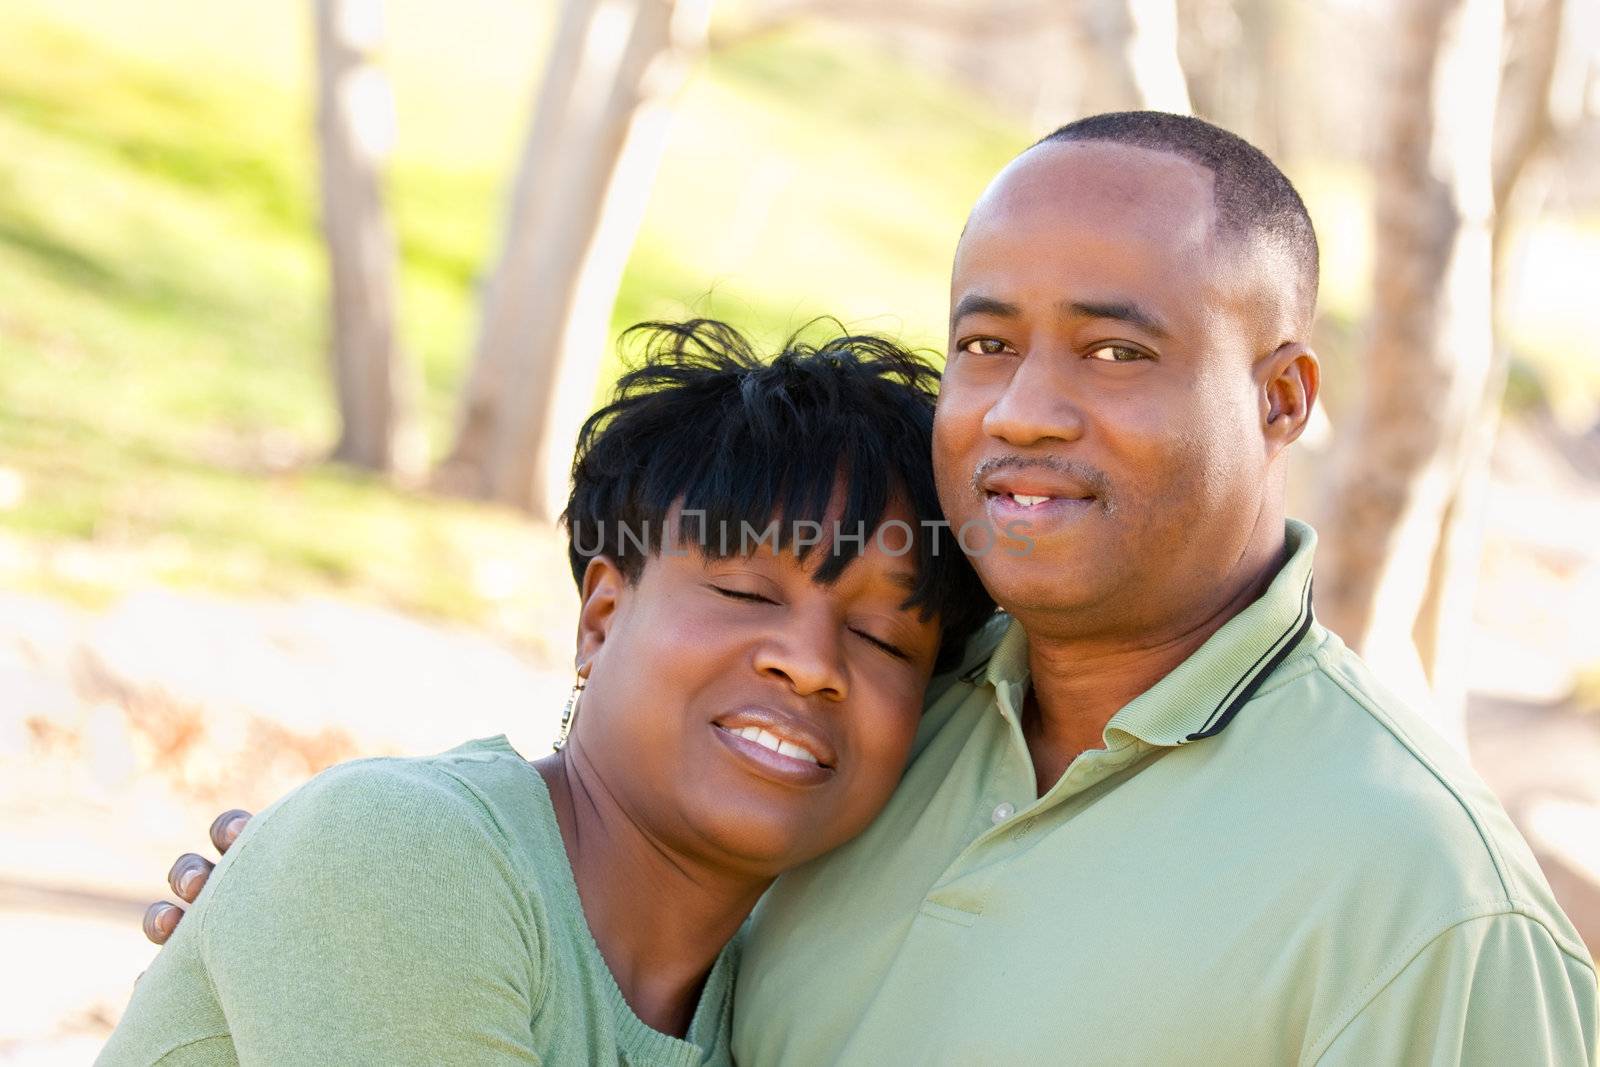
386 891
475 803
463 784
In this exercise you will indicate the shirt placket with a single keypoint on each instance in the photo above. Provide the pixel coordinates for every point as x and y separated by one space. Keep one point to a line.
1010 809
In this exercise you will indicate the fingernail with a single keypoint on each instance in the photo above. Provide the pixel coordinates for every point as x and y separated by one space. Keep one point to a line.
186 881
236 825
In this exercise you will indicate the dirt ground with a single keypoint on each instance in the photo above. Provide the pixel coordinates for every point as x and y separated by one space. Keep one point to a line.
122 732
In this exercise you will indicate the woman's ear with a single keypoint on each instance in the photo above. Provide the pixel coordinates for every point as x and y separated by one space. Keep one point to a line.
604 587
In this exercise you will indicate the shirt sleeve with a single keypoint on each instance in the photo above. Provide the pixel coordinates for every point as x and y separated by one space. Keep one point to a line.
375 917
1493 990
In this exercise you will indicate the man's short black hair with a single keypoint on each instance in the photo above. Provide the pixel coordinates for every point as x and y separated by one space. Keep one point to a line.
703 422
1255 201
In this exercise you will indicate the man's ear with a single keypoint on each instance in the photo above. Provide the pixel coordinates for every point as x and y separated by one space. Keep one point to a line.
1289 381
604 587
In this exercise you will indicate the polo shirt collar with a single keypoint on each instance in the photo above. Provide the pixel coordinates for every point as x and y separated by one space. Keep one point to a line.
1008 663
1200 697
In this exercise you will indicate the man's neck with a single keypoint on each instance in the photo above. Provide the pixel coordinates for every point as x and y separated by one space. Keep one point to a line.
659 919
1078 683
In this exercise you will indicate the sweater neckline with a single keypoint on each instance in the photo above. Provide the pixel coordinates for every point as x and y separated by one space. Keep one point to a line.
636 1037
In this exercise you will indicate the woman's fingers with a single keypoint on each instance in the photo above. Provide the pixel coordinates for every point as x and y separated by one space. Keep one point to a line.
225 829
188 875
160 919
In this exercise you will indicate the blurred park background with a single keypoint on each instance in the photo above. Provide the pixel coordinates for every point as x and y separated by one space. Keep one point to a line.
300 304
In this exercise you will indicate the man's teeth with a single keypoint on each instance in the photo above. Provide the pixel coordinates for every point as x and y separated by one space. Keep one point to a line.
1028 501
767 739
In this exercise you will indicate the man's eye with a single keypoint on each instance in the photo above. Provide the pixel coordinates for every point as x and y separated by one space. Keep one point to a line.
737 594
985 346
1117 354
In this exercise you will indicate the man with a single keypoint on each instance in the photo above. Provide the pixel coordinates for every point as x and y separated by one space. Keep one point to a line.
1159 815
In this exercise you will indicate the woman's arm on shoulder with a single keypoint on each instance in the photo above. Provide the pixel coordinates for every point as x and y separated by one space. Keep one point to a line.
374 916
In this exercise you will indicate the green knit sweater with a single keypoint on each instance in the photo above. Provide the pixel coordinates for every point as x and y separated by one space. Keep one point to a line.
401 911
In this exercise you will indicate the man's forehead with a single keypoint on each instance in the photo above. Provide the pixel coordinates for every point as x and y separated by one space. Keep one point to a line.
1098 188
1101 221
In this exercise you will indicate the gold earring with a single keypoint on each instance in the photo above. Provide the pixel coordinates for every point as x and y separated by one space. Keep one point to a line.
569 713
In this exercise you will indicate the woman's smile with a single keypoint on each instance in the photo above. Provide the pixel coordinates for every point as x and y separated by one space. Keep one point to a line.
777 745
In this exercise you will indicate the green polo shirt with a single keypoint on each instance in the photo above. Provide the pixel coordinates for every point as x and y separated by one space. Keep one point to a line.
1271 861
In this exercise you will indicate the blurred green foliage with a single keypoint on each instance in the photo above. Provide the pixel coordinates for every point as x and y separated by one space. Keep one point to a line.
162 382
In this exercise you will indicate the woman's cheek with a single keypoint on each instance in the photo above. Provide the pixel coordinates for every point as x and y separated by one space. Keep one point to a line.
684 623
892 730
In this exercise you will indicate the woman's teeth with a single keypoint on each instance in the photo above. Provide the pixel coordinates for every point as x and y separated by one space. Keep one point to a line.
767 739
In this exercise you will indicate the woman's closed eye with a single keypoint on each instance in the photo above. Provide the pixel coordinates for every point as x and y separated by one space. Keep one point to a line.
740 594
894 650
887 647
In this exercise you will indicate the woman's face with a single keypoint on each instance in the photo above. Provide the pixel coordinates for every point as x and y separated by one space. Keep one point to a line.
745 713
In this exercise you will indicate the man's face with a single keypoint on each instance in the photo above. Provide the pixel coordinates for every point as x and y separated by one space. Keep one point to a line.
1101 357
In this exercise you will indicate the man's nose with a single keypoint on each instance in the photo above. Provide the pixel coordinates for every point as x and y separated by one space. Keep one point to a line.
806 651
1037 404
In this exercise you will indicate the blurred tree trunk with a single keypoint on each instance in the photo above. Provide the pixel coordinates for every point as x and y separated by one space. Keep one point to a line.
1267 28
1531 111
1237 62
1133 49
596 138
1429 367
1524 127
377 428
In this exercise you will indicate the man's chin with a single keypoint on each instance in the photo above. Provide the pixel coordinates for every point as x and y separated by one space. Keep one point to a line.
1039 585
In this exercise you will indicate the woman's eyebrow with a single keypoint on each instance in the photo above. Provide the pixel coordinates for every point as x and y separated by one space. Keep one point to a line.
906 580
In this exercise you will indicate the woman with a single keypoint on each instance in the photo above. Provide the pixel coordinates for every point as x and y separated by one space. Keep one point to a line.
761 610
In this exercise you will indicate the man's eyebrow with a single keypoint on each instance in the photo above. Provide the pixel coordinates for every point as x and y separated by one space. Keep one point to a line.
1120 310
978 304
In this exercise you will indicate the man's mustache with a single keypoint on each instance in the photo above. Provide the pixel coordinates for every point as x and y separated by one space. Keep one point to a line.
1092 477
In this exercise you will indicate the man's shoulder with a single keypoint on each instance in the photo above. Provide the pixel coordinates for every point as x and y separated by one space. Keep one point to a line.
1388 788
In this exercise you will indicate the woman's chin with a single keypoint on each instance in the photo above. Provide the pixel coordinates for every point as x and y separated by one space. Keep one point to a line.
762 844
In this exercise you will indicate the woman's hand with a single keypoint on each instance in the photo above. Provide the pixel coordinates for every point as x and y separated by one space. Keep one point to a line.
189 875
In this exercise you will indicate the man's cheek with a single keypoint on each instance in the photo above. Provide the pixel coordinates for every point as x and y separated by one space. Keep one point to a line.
1199 480
948 449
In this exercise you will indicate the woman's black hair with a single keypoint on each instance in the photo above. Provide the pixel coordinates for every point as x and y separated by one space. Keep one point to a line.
701 421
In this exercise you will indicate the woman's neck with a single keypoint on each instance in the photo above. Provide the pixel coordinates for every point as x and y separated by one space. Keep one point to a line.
659 918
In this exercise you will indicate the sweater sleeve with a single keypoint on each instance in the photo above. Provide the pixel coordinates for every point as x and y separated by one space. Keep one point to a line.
376 917
1493 990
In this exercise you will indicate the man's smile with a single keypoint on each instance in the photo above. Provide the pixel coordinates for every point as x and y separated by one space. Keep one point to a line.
1034 493
1006 508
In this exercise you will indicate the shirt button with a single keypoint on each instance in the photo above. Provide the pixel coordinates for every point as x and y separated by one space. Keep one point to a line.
1002 812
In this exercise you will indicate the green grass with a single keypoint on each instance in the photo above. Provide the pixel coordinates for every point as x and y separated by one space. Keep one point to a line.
162 385
163 393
